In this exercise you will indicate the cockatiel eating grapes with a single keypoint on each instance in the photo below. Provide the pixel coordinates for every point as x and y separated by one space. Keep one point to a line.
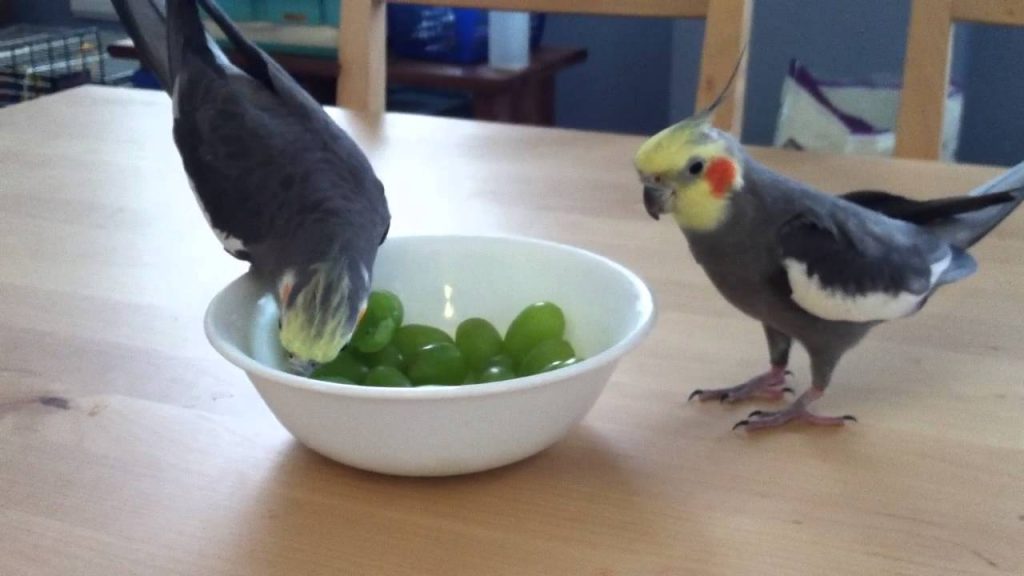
282 185
811 267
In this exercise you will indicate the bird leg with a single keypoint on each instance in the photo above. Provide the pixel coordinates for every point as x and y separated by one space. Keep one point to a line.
768 386
796 412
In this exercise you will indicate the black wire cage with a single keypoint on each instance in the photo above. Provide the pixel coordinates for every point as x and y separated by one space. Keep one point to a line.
35 61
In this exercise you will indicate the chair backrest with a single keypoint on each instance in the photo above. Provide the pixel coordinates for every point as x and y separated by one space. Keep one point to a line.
363 58
926 67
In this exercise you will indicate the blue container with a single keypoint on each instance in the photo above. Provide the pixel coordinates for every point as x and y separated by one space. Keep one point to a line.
452 35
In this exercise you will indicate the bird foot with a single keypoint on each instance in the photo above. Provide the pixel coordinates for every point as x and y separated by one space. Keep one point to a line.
795 412
768 386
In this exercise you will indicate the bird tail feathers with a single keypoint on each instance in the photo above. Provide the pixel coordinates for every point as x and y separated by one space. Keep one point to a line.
188 38
965 230
146 23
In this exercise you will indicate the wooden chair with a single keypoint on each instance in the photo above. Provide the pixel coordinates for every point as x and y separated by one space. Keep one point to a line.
363 57
926 67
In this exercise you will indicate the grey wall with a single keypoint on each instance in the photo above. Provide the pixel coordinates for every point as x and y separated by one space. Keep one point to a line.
623 85
993 122
685 51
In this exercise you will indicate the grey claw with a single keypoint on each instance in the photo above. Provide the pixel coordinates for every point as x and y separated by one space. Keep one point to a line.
787 373
741 423
723 398
754 413
850 417
696 392
790 390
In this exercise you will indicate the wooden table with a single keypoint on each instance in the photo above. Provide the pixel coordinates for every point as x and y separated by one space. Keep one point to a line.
517 96
128 446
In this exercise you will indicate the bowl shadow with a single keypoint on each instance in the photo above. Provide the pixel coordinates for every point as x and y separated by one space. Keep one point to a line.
553 508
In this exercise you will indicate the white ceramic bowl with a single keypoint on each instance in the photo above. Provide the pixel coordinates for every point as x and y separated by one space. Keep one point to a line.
442 280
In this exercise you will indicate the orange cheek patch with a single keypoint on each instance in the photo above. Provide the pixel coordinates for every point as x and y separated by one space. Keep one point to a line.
721 173
284 291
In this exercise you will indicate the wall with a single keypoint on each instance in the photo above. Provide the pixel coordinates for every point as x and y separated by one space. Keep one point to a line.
993 123
623 85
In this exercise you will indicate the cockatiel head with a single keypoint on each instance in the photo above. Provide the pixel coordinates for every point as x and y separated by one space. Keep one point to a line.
691 170
322 301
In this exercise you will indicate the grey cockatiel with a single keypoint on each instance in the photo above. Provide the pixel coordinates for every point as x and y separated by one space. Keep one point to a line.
280 183
811 267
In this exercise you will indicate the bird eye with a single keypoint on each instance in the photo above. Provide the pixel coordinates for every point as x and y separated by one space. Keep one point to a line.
657 179
696 168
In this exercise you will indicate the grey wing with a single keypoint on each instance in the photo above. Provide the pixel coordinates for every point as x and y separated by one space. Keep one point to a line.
855 267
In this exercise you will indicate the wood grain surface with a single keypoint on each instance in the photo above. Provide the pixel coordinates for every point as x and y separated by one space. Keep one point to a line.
127 446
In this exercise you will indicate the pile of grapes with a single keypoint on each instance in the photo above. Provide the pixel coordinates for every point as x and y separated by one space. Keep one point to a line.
385 352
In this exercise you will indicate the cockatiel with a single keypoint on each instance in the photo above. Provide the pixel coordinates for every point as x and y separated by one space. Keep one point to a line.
811 267
282 185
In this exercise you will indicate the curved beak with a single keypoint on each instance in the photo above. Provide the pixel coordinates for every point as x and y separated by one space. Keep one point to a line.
302 367
654 201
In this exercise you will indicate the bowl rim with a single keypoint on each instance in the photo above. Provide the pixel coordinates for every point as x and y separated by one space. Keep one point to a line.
648 309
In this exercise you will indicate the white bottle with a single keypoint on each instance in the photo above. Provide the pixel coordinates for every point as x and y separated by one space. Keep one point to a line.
508 43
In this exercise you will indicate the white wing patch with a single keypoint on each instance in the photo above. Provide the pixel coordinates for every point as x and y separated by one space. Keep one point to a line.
812 296
229 242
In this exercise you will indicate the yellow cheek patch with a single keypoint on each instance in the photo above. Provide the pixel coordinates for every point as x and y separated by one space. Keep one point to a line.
698 208
306 331
299 336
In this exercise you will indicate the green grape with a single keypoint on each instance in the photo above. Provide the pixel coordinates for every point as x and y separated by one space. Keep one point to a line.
387 376
501 360
335 379
412 338
383 316
478 340
495 373
438 363
346 366
386 356
535 324
497 368
546 356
